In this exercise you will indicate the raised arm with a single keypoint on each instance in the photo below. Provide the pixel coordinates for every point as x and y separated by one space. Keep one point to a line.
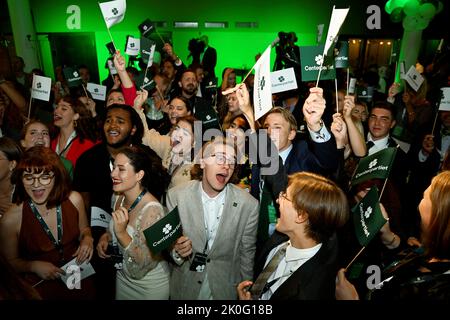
355 136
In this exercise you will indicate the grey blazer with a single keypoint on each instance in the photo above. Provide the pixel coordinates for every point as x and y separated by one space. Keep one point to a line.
231 257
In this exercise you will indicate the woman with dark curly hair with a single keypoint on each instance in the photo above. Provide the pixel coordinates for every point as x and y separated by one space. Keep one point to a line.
143 275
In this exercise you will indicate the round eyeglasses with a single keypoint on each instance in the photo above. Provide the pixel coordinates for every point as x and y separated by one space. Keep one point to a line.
44 179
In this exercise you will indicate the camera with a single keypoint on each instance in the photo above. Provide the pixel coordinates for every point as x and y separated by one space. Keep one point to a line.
114 253
195 47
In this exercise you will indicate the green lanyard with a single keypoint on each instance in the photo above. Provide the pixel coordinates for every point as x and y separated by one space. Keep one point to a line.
56 243
137 200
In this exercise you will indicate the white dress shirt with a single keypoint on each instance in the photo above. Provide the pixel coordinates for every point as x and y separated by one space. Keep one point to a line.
293 260
378 144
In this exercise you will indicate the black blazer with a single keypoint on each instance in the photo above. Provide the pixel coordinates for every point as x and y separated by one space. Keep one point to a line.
314 280
209 62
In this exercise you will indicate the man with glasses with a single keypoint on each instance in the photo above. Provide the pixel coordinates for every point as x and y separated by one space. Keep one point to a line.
219 222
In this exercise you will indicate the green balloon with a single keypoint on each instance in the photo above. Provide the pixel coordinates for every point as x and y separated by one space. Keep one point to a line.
427 10
411 7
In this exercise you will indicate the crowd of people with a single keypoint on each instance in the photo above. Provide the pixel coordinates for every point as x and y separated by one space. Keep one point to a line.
264 205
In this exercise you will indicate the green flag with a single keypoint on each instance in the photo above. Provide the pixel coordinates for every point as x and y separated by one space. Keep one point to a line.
72 76
311 59
375 166
367 217
341 60
164 232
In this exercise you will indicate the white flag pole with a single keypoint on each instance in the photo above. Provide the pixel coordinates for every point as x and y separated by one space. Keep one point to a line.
348 79
337 97
110 36
29 109
159 35
434 124
320 70
109 32
245 78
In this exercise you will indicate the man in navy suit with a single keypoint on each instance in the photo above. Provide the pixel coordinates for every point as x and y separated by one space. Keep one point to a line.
319 155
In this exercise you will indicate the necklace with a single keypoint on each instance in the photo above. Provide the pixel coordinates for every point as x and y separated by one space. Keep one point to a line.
135 202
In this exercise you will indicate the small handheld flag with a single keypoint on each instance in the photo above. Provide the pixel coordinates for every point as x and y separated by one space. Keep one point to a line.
367 217
337 19
164 232
262 94
375 166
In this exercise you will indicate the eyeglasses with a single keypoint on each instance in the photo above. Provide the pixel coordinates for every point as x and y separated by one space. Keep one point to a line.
222 159
284 195
44 179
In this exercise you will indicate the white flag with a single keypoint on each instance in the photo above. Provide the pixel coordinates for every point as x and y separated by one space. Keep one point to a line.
151 55
98 91
445 100
337 19
113 12
262 94
133 46
99 217
283 80
414 78
41 88
111 67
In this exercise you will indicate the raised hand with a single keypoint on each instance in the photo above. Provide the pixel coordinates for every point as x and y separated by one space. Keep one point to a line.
349 104
120 217
313 109
141 98
119 62
339 130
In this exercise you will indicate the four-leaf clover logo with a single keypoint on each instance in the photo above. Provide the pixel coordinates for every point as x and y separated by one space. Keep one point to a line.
368 212
262 83
200 268
96 90
373 163
145 28
102 216
167 228
131 45
38 85
281 79
75 74
115 11
319 59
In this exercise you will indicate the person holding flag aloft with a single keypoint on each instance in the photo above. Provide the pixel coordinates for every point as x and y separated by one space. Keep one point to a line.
420 275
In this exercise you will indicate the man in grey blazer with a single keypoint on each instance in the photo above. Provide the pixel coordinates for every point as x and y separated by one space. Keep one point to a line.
219 221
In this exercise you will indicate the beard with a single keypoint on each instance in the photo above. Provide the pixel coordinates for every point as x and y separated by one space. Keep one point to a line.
190 89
